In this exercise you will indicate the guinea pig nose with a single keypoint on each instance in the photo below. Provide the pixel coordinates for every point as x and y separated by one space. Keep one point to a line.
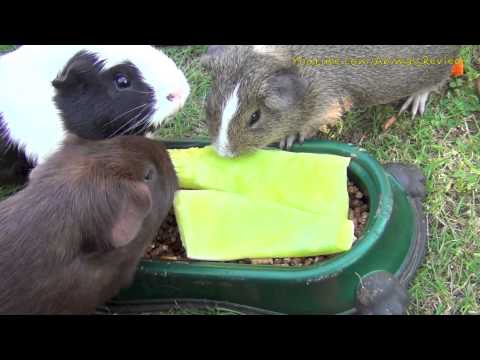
174 96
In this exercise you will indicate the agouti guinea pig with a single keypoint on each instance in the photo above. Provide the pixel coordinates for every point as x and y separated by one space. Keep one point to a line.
73 237
95 92
268 93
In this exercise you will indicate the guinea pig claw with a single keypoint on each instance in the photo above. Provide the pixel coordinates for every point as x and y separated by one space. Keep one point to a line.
287 142
405 105
423 103
415 108
290 141
418 102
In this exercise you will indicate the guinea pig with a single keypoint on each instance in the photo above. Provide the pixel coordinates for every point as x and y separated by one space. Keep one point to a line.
95 92
263 94
73 237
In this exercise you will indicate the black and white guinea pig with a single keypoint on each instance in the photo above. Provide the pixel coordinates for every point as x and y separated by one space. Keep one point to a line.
92 91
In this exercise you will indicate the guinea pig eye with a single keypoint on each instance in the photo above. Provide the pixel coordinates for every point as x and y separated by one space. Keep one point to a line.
122 81
254 118
149 173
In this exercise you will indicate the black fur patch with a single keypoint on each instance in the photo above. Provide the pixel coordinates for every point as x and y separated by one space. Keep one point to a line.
15 166
91 104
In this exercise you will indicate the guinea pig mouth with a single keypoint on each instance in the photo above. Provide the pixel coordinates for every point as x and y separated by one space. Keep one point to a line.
223 151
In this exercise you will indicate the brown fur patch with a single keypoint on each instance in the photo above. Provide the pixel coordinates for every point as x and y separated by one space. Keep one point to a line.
309 131
131 217
328 118
333 114
347 104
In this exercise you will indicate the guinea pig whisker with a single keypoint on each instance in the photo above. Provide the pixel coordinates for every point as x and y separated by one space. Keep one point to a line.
141 129
132 120
146 123
133 126
140 92
141 122
126 112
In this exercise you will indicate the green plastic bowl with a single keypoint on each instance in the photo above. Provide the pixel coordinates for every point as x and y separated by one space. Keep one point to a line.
371 278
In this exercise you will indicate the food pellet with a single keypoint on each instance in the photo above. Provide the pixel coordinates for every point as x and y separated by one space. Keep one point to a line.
168 246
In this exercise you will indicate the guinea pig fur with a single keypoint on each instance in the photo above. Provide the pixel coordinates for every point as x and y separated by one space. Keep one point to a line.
262 94
94 92
73 237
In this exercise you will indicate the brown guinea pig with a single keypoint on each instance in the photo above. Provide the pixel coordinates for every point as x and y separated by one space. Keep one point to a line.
74 236
262 94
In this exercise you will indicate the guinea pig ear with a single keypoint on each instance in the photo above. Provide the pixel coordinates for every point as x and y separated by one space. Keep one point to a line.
68 77
215 50
135 207
208 59
283 90
75 71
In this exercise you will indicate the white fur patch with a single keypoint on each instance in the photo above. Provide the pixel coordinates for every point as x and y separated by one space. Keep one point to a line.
263 49
231 107
26 92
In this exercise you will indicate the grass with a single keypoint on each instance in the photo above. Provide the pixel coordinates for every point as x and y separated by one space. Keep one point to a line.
444 143
189 123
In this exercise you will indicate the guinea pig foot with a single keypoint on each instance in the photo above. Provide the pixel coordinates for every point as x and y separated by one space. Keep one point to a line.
287 143
381 293
417 102
410 177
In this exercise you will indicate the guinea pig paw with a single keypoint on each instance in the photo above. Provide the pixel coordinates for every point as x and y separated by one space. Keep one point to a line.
287 142
307 133
417 102
291 140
